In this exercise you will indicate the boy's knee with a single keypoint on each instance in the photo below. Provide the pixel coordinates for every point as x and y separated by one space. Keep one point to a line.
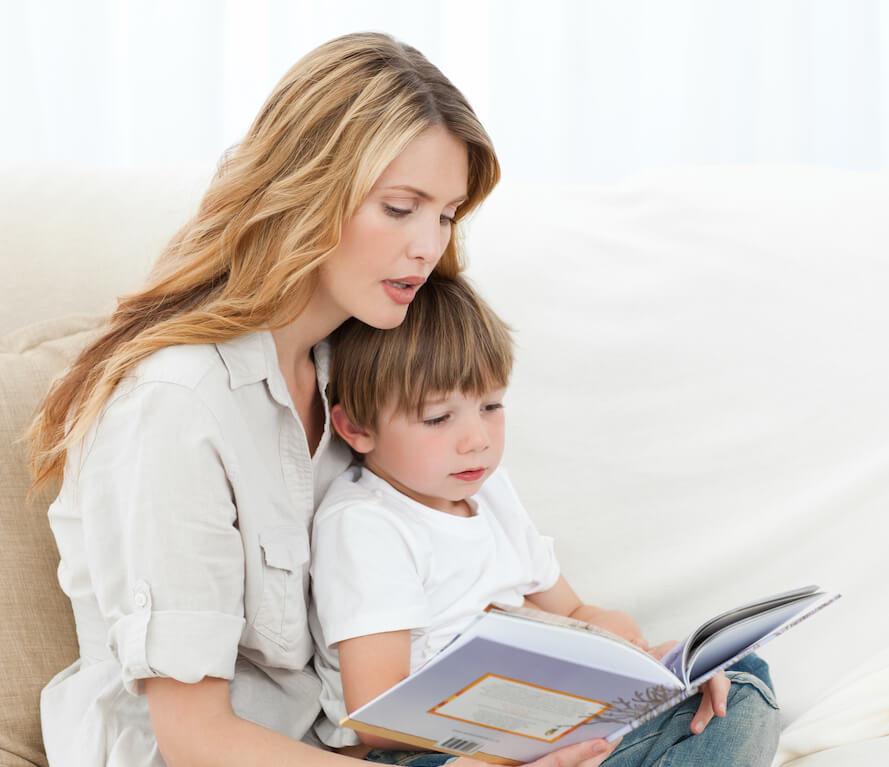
752 702
755 665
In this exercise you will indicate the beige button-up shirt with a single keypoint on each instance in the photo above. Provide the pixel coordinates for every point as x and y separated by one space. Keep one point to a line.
183 526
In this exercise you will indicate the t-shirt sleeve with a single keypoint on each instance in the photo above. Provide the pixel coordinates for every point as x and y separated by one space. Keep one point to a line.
159 524
366 572
537 550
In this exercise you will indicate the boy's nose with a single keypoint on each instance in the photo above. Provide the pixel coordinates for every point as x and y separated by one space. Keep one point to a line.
474 438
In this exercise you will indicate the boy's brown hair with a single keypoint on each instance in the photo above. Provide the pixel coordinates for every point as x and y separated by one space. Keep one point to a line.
450 340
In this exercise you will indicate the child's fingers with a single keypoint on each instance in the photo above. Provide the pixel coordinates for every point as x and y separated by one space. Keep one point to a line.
713 702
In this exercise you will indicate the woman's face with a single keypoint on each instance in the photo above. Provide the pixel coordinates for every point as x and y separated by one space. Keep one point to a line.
395 238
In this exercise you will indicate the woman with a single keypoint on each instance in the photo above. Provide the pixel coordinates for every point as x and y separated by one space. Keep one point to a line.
193 438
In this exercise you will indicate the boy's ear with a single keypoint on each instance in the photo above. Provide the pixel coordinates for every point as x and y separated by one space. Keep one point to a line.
355 436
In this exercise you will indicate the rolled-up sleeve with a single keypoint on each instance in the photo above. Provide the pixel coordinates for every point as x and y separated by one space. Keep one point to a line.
160 528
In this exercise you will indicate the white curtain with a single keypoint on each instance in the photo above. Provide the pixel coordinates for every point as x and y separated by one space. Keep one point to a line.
571 91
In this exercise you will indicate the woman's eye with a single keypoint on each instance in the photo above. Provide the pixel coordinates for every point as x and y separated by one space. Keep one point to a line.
448 220
396 212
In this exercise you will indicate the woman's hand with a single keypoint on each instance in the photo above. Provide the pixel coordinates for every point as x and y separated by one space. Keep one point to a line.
590 753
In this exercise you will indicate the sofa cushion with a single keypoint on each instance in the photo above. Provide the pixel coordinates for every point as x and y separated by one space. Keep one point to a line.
37 637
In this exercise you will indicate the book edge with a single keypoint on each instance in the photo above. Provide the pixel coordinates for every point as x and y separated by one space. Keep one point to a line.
425 743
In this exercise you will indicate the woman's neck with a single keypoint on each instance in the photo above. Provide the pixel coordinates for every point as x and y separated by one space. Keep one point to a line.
293 346
295 340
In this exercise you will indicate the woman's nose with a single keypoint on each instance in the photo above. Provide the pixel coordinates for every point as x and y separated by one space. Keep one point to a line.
429 241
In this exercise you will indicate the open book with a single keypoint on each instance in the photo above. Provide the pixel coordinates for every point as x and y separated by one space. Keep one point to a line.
519 683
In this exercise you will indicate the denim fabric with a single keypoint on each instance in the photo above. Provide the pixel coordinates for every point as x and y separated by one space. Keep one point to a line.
409 758
746 737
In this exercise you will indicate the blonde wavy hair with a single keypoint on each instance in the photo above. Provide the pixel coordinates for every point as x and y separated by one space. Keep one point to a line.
249 258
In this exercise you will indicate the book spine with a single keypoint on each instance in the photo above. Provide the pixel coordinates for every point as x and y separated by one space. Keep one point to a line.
652 713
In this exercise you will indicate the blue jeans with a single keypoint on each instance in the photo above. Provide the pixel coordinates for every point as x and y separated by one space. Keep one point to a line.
746 737
409 758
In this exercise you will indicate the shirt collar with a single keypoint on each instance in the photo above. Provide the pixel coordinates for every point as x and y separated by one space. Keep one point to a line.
247 357
252 358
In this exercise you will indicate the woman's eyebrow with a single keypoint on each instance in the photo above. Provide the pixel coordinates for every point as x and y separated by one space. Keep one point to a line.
421 194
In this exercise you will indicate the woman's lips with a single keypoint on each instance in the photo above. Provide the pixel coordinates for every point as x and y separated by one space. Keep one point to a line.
469 476
402 291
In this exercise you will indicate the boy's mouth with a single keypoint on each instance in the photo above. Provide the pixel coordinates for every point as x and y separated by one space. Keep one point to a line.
470 475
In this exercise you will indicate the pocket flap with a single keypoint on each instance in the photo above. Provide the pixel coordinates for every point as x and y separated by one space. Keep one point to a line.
284 549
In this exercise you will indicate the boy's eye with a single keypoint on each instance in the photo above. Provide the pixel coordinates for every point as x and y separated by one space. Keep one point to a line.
439 419
492 406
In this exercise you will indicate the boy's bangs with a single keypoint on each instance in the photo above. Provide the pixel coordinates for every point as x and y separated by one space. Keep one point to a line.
452 363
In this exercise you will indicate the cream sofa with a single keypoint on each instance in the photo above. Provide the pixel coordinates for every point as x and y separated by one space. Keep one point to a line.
698 415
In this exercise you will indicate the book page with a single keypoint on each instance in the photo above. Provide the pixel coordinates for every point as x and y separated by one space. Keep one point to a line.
735 640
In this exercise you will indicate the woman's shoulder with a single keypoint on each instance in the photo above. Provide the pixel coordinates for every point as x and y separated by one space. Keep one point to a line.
174 380
187 365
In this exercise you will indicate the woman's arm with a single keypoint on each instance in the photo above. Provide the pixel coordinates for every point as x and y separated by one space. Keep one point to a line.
195 726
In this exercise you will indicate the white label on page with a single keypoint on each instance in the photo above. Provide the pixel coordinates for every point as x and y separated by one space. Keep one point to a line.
519 708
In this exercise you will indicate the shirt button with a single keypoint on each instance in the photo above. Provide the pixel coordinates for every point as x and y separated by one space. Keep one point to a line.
141 600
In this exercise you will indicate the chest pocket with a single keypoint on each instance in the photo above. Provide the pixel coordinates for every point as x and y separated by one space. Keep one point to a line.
282 612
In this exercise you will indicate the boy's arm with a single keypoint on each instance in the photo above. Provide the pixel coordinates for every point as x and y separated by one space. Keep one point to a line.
562 600
370 665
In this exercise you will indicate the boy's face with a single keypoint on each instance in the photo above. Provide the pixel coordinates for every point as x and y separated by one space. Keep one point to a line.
444 455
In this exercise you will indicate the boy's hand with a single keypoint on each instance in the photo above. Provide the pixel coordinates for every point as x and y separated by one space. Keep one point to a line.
616 622
714 697
561 600
714 694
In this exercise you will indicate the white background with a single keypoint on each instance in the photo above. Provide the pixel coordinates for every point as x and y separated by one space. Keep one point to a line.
571 91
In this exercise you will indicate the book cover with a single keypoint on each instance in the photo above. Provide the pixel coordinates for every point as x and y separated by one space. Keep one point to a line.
518 683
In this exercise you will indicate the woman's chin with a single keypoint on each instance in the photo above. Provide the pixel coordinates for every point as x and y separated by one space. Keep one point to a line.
384 320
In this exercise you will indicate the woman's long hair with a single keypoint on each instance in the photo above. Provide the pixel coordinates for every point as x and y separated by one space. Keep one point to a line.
249 258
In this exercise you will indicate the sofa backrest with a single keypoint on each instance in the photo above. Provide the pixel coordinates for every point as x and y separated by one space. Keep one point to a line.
697 413
73 240
70 243
37 636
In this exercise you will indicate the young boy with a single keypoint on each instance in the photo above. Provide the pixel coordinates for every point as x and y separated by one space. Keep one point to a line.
427 531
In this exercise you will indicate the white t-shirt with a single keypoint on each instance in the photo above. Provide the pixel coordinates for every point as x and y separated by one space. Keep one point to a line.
383 562
183 528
